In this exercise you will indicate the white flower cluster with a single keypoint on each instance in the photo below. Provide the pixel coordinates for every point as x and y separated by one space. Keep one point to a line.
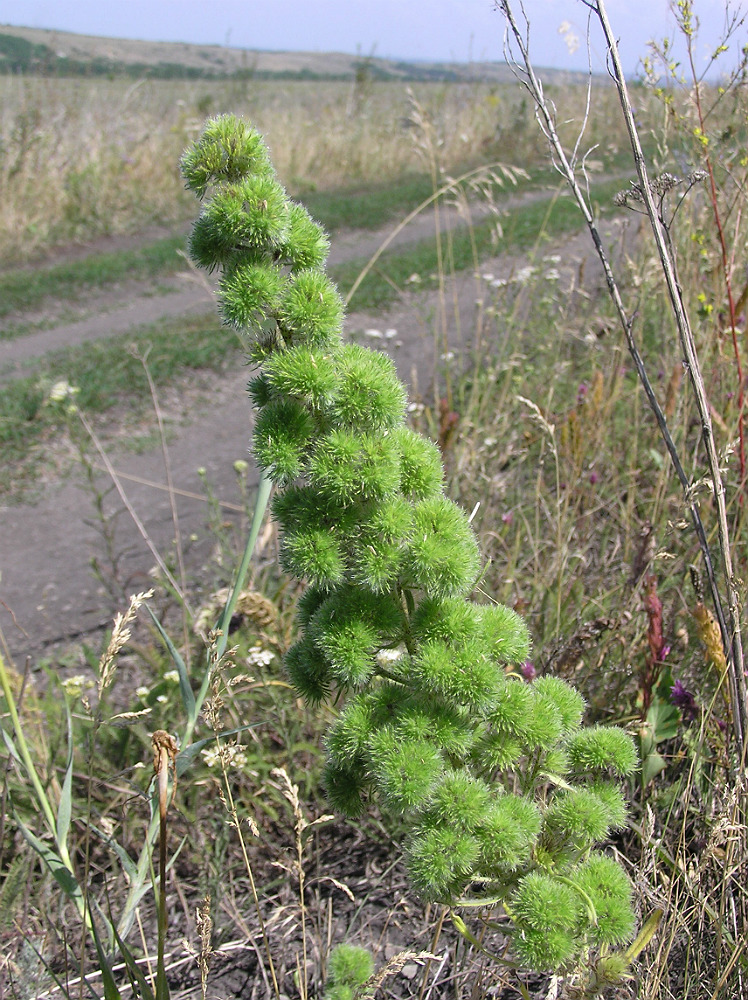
259 657
74 686
227 755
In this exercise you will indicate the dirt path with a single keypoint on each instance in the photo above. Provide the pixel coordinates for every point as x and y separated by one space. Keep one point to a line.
48 594
191 293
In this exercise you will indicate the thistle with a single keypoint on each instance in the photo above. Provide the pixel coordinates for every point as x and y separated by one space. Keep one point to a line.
504 792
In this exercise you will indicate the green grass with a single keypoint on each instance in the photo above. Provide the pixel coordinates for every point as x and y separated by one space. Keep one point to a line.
369 207
541 220
23 290
27 289
376 205
107 375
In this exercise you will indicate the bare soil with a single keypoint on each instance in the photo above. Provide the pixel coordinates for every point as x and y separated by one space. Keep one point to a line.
48 592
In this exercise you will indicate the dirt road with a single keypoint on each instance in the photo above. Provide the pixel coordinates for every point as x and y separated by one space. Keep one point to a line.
48 593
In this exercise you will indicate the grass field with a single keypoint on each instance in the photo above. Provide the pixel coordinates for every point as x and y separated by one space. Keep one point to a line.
83 158
542 423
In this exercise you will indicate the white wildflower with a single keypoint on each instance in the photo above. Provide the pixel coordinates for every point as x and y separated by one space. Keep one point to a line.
259 657
571 38
227 755
172 676
142 692
62 391
524 274
73 686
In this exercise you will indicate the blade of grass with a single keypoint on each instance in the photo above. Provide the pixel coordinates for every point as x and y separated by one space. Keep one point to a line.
185 689
65 807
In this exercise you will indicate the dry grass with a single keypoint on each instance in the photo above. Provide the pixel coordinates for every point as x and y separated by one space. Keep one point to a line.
578 511
79 158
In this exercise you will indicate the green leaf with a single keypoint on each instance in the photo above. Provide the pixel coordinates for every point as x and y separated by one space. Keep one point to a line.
65 808
11 747
645 935
663 718
652 764
110 987
59 870
188 698
133 969
126 861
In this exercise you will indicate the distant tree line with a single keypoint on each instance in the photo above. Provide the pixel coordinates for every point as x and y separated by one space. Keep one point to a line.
18 55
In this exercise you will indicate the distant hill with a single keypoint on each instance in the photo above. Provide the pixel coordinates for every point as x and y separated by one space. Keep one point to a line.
62 53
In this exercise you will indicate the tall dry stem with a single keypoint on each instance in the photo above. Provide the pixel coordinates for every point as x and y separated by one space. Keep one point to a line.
730 628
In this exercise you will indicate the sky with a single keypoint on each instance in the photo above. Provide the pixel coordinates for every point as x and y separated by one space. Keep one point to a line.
458 30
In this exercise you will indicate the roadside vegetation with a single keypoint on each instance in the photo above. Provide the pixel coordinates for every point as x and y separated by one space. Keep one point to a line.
81 158
546 436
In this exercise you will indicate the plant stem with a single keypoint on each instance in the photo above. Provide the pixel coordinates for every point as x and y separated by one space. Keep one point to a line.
734 643
731 638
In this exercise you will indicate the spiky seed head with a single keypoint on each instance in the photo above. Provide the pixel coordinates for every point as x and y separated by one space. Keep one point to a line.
508 832
460 800
576 818
313 554
249 293
282 436
564 699
311 311
345 786
609 888
227 150
349 965
406 772
439 859
306 244
421 469
442 557
450 619
601 747
462 675
307 375
370 397
349 467
507 633
512 708
309 671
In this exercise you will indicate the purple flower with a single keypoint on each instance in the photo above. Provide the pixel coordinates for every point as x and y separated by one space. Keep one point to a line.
528 670
684 700
581 392
594 478
508 517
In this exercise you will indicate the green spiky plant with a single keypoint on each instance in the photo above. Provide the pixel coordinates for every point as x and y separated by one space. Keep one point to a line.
505 794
